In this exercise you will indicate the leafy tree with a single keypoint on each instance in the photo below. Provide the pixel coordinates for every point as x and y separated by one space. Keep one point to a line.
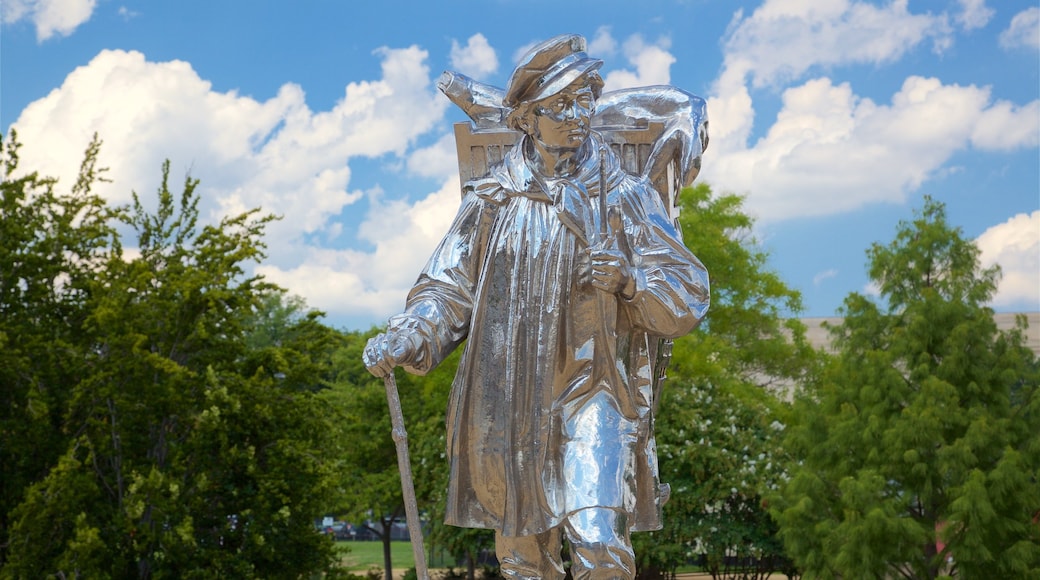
373 485
50 244
917 451
194 447
723 407
719 454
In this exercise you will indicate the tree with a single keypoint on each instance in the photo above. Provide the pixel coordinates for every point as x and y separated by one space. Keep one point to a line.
917 451
50 244
722 408
373 485
193 446
718 452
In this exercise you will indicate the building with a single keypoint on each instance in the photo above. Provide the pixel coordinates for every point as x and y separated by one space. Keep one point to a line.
820 338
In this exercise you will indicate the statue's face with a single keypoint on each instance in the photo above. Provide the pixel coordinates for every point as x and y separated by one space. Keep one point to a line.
562 121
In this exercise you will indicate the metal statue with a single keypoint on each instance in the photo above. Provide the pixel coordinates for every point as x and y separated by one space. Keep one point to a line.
563 275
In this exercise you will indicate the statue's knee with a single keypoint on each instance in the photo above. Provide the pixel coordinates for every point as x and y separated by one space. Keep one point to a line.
600 545
602 561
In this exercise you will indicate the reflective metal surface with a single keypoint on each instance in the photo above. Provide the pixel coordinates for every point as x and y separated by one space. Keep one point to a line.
562 272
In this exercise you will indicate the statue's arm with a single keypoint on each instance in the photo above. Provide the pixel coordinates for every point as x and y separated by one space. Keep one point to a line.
671 284
439 306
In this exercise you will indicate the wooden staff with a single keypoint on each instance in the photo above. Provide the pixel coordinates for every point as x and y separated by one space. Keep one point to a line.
404 465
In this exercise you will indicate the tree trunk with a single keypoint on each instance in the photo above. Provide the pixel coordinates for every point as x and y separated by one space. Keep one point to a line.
386 551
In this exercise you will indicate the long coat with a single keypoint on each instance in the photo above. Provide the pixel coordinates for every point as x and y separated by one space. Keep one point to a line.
551 410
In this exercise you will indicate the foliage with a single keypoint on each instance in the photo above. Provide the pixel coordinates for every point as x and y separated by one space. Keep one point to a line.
721 410
189 444
917 454
50 244
718 451
373 483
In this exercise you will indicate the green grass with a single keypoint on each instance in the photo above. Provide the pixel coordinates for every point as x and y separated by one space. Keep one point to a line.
362 556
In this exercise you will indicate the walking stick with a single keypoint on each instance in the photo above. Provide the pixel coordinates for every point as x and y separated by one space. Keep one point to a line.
411 507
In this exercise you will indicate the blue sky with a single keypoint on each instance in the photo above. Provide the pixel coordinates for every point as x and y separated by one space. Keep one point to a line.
834 117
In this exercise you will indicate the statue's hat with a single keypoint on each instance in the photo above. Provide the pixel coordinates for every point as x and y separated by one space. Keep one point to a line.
548 68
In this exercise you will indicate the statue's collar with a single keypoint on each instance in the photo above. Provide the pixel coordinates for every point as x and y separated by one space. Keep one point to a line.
517 175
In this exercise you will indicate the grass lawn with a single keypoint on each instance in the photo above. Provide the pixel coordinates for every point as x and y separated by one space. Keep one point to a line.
362 556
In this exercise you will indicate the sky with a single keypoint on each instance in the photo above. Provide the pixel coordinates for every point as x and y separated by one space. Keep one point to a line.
833 118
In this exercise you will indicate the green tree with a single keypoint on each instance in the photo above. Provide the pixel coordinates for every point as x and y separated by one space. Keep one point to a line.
194 446
723 407
50 245
372 488
917 452
719 454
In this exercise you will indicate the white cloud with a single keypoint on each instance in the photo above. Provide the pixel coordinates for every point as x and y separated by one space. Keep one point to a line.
974 14
477 59
1015 246
652 64
49 16
275 154
603 44
439 160
820 277
1024 30
783 39
731 112
375 284
829 149
1006 126
832 151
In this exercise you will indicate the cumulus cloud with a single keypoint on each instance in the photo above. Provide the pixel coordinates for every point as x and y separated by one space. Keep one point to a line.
1015 246
1006 126
439 160
781 40
276 154
477 59
50 17
652 63
373 284
832 151
1024 30
602 44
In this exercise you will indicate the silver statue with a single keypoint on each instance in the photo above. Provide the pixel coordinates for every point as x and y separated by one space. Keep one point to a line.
563 272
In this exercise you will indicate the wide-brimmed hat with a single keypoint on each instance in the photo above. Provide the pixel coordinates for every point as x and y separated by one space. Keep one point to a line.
548 68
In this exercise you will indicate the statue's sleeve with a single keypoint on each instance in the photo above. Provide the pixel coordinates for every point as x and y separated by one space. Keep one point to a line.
439 305
672 289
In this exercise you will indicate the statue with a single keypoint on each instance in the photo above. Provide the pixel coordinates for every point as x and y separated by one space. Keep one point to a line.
563 273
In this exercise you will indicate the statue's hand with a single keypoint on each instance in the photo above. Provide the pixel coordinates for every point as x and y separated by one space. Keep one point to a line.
612 272
390 349
610 268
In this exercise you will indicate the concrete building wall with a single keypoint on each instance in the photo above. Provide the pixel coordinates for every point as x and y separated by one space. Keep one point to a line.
819 337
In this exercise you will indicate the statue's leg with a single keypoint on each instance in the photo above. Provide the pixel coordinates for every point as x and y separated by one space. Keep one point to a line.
601 547
530 557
